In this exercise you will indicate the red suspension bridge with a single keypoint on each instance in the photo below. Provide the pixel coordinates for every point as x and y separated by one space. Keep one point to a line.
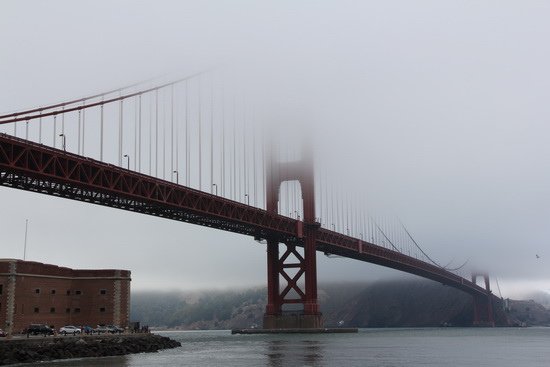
191 150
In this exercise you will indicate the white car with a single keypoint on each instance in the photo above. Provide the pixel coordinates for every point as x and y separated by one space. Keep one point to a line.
69 329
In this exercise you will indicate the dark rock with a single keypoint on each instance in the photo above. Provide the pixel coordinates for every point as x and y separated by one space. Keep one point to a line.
30 350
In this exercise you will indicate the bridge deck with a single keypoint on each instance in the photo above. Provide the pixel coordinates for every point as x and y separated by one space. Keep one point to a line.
34 167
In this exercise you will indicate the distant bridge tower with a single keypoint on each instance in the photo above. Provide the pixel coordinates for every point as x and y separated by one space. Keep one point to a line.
483 305
278 266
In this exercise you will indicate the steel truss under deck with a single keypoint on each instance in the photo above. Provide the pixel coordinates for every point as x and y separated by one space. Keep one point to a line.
34 167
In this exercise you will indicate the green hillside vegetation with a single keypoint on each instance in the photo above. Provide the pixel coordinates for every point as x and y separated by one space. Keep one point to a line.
412 303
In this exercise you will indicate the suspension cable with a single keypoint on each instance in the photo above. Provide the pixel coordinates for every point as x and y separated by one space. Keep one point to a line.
15 117
427 256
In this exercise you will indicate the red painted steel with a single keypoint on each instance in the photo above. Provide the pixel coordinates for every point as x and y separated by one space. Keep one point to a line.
34 167
30 166
483 304
306 231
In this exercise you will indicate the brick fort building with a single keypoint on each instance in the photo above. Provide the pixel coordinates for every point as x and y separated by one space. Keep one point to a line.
36 293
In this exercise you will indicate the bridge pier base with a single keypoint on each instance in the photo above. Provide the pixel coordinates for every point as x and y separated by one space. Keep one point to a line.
293 321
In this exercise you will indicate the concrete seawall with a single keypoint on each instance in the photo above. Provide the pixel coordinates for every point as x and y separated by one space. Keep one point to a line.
50 348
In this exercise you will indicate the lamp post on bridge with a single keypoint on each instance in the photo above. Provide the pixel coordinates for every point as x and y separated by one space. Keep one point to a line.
247 199
215 186
177 177
63 138
127 156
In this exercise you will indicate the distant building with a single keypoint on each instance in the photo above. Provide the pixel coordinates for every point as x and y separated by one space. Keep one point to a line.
36 293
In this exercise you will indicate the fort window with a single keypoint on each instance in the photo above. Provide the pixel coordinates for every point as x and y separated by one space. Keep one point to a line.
52 310
1 286
36 310
78 293
67 310
37 291
103 291
102 309
77 310
53 291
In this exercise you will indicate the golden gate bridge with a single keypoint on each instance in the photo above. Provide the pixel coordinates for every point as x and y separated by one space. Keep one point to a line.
192 149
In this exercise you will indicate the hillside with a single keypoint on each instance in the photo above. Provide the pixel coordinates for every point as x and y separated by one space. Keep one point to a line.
383 304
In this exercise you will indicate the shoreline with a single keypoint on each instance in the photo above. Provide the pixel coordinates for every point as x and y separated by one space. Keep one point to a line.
28 350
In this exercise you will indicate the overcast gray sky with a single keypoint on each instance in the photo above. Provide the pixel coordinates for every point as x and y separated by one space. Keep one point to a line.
437 109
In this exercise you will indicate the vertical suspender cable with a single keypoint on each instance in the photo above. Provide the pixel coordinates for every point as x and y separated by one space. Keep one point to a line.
156 132
254 129
322 187
101 132
263 170
164 139
27 130
177 160
63 122
349 212
234 167
139 137
120 117
83 129
136 118
212 134
245 176
150 134
40 129
200 134
55 129
172 131
79 130
223 142
187 133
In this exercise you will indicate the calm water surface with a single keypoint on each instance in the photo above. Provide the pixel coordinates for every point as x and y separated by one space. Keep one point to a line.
370 347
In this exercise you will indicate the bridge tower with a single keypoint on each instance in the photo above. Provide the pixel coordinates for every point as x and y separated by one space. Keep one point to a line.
305 266
483 305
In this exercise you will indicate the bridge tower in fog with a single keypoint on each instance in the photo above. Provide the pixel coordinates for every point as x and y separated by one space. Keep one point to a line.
483 304
280 264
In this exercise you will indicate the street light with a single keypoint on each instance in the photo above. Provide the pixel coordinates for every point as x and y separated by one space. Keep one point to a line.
63 137
177 177
247 199
127 156
215 187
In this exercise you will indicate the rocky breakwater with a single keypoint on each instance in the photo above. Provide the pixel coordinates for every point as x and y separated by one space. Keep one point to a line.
50 348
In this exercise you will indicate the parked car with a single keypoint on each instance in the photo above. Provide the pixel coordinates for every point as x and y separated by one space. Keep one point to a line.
37 329
3 333
115 329
112 329
69 329
102 329
88 329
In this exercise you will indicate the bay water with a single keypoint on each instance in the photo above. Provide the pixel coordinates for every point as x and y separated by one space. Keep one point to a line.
502 347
